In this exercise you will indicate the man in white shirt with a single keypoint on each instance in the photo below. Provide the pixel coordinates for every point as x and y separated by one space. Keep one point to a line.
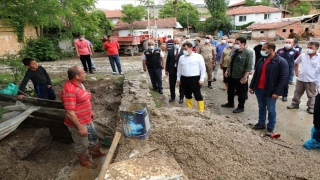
153 60
306 76
190 74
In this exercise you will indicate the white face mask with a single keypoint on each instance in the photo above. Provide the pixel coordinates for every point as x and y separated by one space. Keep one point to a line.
309 51
223 41
81 39
230 44
185 52
287 46
207 41
262 43
264 53
237 46
151 47
177 46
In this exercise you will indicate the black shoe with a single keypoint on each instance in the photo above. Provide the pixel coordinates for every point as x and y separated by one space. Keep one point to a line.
238 110
227 105
259 126
214 79
160 91
171 99
210 87
269 132
180 101
91 72
284 99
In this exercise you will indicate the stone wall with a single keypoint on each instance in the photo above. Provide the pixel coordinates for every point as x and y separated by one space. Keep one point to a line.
9 40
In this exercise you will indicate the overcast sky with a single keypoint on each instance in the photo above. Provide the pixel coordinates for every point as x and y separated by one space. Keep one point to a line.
116 4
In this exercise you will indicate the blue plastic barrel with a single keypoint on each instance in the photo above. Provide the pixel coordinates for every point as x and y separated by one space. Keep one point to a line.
135 120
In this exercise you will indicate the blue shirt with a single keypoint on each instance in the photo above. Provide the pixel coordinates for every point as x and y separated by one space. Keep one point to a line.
220 47
214 42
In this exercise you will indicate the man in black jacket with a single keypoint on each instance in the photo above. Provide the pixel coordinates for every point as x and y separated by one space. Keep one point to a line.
171 69
257 49
268 82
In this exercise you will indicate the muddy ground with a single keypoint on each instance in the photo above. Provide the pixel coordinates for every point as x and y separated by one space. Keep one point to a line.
215 145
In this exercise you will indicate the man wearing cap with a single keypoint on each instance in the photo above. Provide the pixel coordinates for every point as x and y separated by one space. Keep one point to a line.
208 53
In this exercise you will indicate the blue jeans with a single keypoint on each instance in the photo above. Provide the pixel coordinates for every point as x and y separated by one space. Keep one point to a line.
291 75
115 58
266 103
93 66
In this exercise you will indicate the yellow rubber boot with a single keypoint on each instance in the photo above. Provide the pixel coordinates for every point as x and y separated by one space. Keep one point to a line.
201 106
189 103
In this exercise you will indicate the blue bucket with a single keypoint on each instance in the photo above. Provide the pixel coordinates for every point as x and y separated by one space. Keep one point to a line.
135 120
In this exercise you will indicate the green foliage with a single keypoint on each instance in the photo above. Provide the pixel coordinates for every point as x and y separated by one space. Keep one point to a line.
219 19
255 3
183 8
18 25
16 66
244 26
57 80
41 49
2 112
131 13
303 8
155 97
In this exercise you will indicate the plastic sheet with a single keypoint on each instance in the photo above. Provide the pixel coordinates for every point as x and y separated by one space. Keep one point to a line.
312 143
11 89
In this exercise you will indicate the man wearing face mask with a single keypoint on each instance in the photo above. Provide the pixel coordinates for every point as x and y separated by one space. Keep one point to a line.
171 69
289 54
225 61
170 43
296 46
219 49
237 73
84 52
268 81
191 74
153 60
208 53
306 76
257 49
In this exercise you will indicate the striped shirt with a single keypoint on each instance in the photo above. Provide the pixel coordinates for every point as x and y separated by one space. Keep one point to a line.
170 44
76 97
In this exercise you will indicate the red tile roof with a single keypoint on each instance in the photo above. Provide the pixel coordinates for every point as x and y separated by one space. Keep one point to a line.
113 13
253 10
237 4
161 23
272 24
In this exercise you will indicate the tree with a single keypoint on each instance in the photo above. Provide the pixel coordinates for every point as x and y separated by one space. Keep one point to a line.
255 3
131 13
186 12
219 20
303 8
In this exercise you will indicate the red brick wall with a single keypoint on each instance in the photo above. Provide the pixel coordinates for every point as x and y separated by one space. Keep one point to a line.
297 28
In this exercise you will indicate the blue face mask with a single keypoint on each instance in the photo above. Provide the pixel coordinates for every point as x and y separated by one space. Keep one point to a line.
185 52
151 47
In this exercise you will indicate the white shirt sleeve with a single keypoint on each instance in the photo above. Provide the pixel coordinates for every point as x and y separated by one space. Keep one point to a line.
202 68
179 69
143 57
298 60
161 54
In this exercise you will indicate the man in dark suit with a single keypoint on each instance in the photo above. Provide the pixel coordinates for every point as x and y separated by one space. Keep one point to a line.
171 69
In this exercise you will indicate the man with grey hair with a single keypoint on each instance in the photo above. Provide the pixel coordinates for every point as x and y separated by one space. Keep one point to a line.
153 60
76 101
309 61
289 54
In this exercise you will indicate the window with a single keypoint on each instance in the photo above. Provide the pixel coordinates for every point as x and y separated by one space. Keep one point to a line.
261 32
284 30
291 30
242 18
306 30
266 16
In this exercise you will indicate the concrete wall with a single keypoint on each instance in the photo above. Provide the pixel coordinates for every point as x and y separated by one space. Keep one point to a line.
9 40
260 17
250 18
268 34
254 18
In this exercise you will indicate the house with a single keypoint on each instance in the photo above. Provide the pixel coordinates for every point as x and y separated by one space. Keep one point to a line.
237 5
161 27
302 25
113 15
9 39
244 15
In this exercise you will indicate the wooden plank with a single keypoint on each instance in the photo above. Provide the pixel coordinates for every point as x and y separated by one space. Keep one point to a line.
33 101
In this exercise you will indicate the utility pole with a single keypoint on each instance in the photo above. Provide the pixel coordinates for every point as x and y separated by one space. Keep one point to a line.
187 22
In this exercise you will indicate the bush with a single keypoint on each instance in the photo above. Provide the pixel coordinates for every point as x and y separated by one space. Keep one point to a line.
41 49
16 66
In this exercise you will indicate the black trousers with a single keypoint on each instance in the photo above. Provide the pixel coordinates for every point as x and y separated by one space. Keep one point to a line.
172 84
85 59
316 113
235 84
156 78
225 79
190 85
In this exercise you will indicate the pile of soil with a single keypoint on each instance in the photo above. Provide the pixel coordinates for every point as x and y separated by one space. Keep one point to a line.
210 146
